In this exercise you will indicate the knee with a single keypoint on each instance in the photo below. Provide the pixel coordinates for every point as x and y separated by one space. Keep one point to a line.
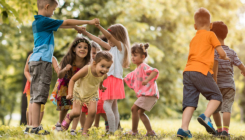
134 109
141 112
92 114
76 113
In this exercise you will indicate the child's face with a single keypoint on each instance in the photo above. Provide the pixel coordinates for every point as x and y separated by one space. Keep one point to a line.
93 52
137 58
50 9
103 67
81 50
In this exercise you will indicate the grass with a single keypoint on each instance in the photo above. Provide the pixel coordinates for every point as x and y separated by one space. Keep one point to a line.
165 129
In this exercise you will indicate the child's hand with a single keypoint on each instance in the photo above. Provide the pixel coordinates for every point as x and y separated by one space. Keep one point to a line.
102 88
80 29
68 67
243 73
144 82
97 22
69 96
227 58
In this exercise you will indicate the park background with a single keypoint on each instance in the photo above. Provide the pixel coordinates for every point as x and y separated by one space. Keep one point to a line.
167 25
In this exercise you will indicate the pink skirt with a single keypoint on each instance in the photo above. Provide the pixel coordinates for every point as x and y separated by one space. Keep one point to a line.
114 89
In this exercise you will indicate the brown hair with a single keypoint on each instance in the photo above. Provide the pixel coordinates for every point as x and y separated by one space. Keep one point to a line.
220 29
140 48
41 3
120 33
103 55
70 57
96 46
202 17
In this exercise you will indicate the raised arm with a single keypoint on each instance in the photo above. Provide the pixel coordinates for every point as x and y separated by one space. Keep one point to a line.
110 37
26 69
222 53
96 39
80 74
73 22
55 64
215 70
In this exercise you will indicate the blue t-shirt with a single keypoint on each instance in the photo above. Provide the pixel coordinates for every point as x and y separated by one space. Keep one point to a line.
43 28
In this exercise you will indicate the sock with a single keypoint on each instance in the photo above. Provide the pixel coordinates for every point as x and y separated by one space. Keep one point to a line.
106 123
219 128
226 128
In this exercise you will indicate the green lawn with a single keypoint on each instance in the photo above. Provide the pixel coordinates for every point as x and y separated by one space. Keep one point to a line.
165 129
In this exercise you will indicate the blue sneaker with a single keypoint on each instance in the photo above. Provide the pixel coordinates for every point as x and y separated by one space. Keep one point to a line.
182 134
206 122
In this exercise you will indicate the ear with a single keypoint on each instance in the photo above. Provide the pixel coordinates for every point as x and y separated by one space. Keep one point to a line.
211 26
46 6
195 26
143 56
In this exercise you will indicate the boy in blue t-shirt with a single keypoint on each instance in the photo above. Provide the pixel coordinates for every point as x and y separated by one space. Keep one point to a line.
40 61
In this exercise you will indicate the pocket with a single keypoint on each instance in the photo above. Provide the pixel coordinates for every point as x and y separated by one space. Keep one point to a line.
46 75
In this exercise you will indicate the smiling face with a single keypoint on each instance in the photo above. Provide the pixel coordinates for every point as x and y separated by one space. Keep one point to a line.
81 50
137 58
102 67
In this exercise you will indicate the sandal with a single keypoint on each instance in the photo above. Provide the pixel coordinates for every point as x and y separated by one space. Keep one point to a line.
64 124
132 133
152 133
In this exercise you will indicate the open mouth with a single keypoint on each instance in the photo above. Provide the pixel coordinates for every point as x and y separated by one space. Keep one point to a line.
102 73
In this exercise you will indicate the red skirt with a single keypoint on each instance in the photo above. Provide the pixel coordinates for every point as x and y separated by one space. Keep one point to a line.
114 89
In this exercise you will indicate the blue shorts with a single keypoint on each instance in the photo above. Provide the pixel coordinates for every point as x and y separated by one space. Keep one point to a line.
196 83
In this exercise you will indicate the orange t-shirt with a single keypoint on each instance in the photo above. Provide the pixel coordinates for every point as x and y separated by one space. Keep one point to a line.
201 53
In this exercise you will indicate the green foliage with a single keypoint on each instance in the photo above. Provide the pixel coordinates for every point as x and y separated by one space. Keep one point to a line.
166 25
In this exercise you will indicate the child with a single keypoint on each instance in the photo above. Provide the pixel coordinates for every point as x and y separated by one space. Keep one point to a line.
83 87
223 75
27 92
118 45
143 81
78 56
41 59
199 66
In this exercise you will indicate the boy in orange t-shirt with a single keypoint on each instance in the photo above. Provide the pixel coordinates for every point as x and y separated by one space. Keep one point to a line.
197 76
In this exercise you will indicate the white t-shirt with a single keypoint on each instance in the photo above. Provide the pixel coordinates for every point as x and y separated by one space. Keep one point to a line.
116 68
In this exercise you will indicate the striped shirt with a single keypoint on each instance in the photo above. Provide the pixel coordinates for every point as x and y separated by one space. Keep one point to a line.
225 71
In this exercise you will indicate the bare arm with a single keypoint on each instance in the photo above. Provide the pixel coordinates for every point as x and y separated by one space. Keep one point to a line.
110 37
101 84
62 73
222 53
26 69
73 22
81 73
242 68
55 65
150 77
97 40
215 70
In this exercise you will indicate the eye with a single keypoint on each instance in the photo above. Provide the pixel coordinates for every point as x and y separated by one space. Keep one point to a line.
85 47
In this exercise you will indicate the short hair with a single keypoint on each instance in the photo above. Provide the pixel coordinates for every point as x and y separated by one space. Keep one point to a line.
202 17
220 29
140 48
103 55
42 3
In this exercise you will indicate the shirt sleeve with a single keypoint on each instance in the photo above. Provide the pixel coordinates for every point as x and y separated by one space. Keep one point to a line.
236 60
50 24
216 55
148 70
214 40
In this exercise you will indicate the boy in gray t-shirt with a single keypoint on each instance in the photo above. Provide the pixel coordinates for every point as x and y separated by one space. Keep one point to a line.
223 75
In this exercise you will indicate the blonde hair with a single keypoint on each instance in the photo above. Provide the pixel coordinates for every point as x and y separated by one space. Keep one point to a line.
120 33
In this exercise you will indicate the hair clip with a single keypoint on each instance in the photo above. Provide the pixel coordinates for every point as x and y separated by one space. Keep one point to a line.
143 48
109 30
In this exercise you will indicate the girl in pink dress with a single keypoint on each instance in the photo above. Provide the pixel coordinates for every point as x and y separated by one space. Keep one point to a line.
143 81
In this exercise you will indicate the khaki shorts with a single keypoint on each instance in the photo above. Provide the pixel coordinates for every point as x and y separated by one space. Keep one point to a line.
228 100
41 73
146 102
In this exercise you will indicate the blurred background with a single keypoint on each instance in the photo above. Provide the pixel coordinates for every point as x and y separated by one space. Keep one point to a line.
166 25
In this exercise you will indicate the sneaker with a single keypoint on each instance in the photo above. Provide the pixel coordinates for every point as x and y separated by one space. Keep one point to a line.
58 127
39 132
225 135
27 130
40 127
217 134
206 122
73 132
183 134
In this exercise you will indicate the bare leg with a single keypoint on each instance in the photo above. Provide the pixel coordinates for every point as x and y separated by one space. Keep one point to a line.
41 117
97 120
75 112
74 123
217 119
211 108
35 114
62 115
144 118
27 117
135 118
30 114
186 117
82 119
104 116
226 118
91 115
